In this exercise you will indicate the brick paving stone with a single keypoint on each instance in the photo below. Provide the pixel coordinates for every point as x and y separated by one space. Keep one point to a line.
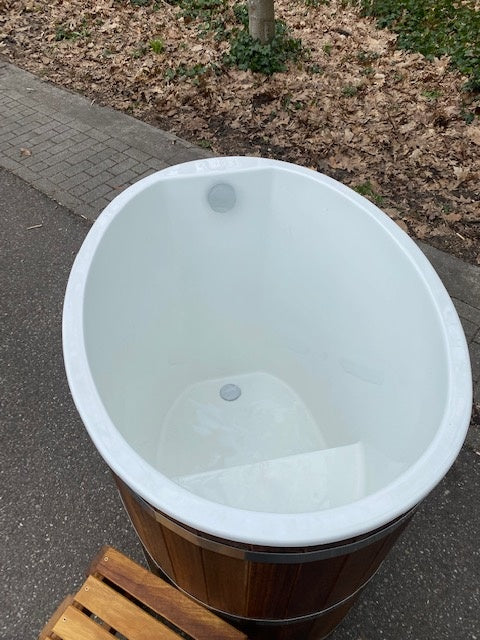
100 178
80 126
79 190
70 170
468 311
117 144
13 152
44 138
11 165
26 174
6 136
61 128
61 137
123 165
102 165
77 136
66 198
54 156
126 177
84 165
140 168
156 165
469 328
23 127
44 184
103 154
98 192
74 180
63 118
78 156
45 128
52 170
136 154
26 111
38 166
23 139
98 135
146 173
40 153
475 360
100 203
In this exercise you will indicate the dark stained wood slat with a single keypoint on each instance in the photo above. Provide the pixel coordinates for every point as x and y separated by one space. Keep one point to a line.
188 562
356 570
311 589
223 592
162 598
269 590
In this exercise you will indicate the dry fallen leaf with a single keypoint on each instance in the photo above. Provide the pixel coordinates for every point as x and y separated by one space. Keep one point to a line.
25 152
402 225
452 217
461 173
474 134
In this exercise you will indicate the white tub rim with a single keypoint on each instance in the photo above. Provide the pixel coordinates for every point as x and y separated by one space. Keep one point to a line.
251 527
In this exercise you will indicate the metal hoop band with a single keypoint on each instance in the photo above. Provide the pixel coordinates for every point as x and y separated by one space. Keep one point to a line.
267 557
268 621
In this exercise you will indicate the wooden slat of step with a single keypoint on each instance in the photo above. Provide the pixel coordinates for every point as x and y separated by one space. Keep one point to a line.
120 613
75 625
45 633
162 598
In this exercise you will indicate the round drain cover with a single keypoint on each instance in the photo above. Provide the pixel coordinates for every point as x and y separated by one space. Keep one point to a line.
222 197
230 392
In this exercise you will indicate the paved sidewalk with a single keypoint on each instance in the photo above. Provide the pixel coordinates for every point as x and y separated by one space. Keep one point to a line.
76 152
58 503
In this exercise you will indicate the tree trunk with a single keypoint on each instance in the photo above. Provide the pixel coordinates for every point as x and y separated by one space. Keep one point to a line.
261 24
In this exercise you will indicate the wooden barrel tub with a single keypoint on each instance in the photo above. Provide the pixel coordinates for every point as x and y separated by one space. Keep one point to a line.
270 593
276 376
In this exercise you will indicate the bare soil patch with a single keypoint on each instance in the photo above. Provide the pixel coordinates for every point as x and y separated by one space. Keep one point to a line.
397 127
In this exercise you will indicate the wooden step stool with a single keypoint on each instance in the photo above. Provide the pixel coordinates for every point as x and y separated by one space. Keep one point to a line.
122 599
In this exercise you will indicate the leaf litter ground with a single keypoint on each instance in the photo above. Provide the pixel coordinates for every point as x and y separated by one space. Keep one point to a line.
398 128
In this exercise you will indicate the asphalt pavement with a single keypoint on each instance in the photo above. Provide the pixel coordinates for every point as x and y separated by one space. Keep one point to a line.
58 503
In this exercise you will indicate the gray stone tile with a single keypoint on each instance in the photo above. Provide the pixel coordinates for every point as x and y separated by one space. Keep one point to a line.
117 144
44 184
98 135
6 136
73 181
474 349
124 178
38 166
468 311
470 329
99 191
100 203
141 156
104 177
122 165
